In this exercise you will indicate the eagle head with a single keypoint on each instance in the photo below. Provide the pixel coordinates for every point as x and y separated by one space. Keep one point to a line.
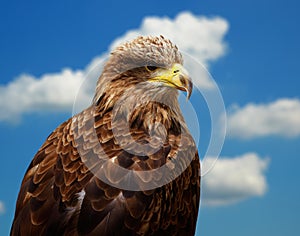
151 61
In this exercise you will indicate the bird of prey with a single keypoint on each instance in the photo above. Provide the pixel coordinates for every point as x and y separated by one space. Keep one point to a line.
126 165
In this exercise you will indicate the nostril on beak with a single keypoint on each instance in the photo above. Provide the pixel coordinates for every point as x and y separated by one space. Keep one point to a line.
182 80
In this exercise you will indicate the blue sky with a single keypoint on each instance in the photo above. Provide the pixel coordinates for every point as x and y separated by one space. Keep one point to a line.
253 58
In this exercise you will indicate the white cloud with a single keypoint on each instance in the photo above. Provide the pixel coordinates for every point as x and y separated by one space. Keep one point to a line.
49 92
281 118
199 36
234 179
2 208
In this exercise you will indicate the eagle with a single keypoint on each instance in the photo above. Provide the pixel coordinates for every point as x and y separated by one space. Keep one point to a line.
127 164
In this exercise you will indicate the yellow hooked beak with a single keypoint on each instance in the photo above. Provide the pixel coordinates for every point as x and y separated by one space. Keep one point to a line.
176 77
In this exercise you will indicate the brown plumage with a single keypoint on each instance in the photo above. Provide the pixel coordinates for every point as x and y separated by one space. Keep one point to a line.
72 186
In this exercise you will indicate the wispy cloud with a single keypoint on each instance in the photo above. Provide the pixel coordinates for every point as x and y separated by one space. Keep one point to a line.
281 118
57 91
2 208
234 179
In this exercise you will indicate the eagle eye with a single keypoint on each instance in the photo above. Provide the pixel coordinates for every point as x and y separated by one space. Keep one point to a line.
151 68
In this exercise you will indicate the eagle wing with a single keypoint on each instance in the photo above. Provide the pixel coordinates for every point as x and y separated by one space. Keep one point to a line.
60 195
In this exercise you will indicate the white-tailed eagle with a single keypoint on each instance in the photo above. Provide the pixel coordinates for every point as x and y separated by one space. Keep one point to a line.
73 185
